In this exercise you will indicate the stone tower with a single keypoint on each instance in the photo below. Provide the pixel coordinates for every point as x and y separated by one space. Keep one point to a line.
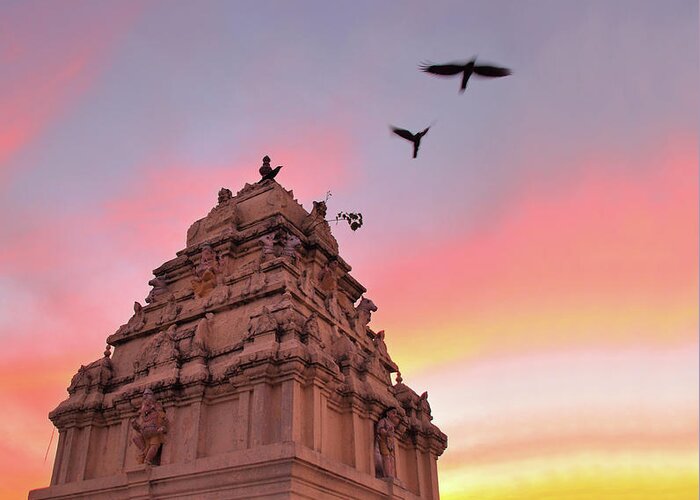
251 372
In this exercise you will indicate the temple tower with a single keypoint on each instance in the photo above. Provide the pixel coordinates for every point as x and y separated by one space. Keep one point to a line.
250 372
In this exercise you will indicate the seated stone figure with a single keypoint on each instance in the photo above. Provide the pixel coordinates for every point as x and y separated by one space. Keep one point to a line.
151 425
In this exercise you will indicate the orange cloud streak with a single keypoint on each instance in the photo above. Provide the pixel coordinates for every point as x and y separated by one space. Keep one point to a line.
612 257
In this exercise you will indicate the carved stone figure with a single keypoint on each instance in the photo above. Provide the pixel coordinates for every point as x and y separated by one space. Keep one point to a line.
287 323
77 379
150 426
255 283
160 349
138 320
332 305
317 218
268 246
424 407
220 294
202 336
224 195
159 291
306 284
206 272
316 227
169 311
265 322
364 312
310 328
385 443
98 372
207 261
327 277
380 357
291 243
380 345
343 350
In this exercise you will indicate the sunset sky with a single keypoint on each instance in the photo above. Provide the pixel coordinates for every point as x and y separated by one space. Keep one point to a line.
535 268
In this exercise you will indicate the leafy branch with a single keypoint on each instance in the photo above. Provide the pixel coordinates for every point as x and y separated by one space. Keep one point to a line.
352 218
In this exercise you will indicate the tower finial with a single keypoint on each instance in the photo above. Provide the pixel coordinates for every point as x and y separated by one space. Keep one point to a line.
267 172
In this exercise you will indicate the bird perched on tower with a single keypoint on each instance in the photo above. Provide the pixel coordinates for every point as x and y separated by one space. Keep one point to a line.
267 172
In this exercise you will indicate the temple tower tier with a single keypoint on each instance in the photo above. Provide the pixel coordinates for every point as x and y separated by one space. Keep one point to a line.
250 372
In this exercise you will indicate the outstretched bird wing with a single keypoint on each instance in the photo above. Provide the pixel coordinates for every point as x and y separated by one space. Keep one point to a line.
492 71
403 133
443 69
421 134
272 173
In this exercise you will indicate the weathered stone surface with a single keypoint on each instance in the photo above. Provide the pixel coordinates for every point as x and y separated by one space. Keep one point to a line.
253 374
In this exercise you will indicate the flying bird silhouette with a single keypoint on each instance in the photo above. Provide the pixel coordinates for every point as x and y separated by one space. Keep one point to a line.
414 138
467 69
266 171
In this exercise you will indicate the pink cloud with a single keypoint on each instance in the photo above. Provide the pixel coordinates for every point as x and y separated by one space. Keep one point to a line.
600 250
42 83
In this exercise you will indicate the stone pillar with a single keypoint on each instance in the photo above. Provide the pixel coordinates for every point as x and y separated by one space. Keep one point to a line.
290 402
81 465
423 482
318 409
258 415
358 441
193 450
65 455
60 449
242 438
434 493
123 441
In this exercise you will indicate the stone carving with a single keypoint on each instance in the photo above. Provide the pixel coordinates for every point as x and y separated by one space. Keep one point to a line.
202 336
343 350
137 321
160 349
380 345
268 246
150 426
159 291
77 379
226 264
255 283
381 351
291 243
364 312
265 322
333 306
222 221
306 284
317 217
224 195
98 372
424 408
170 311
310 329
220 294
206 272
207 261
327 277
385 444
